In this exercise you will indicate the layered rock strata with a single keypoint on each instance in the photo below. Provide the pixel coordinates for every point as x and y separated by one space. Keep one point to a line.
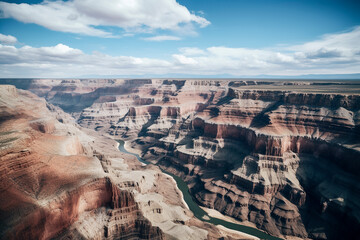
61 181
281 154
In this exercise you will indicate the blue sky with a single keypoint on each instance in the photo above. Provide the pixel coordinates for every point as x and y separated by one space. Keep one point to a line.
167 38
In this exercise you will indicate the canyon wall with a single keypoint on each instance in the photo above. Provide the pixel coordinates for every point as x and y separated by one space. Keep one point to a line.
283 155
61 181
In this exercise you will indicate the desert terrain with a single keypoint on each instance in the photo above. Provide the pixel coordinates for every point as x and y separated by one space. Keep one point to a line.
281 156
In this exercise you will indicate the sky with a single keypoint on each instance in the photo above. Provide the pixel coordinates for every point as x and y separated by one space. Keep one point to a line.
168 38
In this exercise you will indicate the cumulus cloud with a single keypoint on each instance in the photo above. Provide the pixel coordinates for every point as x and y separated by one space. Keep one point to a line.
332 54
162 38
64 61
83 16
7 39
183 60
340 46
191 51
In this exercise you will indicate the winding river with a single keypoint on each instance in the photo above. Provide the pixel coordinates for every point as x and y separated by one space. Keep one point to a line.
199 212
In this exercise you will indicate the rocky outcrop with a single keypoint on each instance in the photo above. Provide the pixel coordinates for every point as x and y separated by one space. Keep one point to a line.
62 181
125 221
48 181
280 154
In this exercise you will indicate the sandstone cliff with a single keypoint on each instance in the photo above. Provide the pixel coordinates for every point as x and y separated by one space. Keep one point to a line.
61 181
282 155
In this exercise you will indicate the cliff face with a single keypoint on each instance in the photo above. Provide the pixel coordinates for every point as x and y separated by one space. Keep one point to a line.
48 181
125 220
61 181
283 155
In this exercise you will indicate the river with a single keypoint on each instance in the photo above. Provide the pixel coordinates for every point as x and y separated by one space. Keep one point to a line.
199 212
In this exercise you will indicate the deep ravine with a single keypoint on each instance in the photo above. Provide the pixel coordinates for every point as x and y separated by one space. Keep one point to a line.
199 212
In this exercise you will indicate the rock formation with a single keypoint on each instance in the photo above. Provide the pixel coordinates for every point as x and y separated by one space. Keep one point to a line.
283 155
61 181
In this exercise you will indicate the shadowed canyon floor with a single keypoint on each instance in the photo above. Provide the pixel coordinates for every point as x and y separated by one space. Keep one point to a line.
282 156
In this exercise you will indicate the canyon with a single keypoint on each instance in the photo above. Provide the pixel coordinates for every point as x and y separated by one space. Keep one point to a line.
279 155
62 181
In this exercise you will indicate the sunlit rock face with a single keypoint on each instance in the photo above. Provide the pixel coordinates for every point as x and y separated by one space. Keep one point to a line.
50 178
283 155
61 181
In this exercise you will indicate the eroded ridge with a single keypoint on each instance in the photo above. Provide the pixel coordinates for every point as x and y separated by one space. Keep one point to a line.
283 155
61 181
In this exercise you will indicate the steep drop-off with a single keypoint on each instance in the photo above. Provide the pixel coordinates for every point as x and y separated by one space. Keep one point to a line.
61 181
285 159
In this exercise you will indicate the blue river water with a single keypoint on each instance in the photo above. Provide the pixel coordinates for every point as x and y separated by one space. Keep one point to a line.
199 212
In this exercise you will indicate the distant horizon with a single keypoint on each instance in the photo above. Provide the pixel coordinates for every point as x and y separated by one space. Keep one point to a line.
273 78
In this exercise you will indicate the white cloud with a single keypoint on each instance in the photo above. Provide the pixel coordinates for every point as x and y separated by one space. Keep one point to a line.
340 47
64 61
181 59
7 39
340 41
191 51
162 38
83 16
332 54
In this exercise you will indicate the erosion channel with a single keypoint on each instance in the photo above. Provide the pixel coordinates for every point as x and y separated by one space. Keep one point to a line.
200 213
